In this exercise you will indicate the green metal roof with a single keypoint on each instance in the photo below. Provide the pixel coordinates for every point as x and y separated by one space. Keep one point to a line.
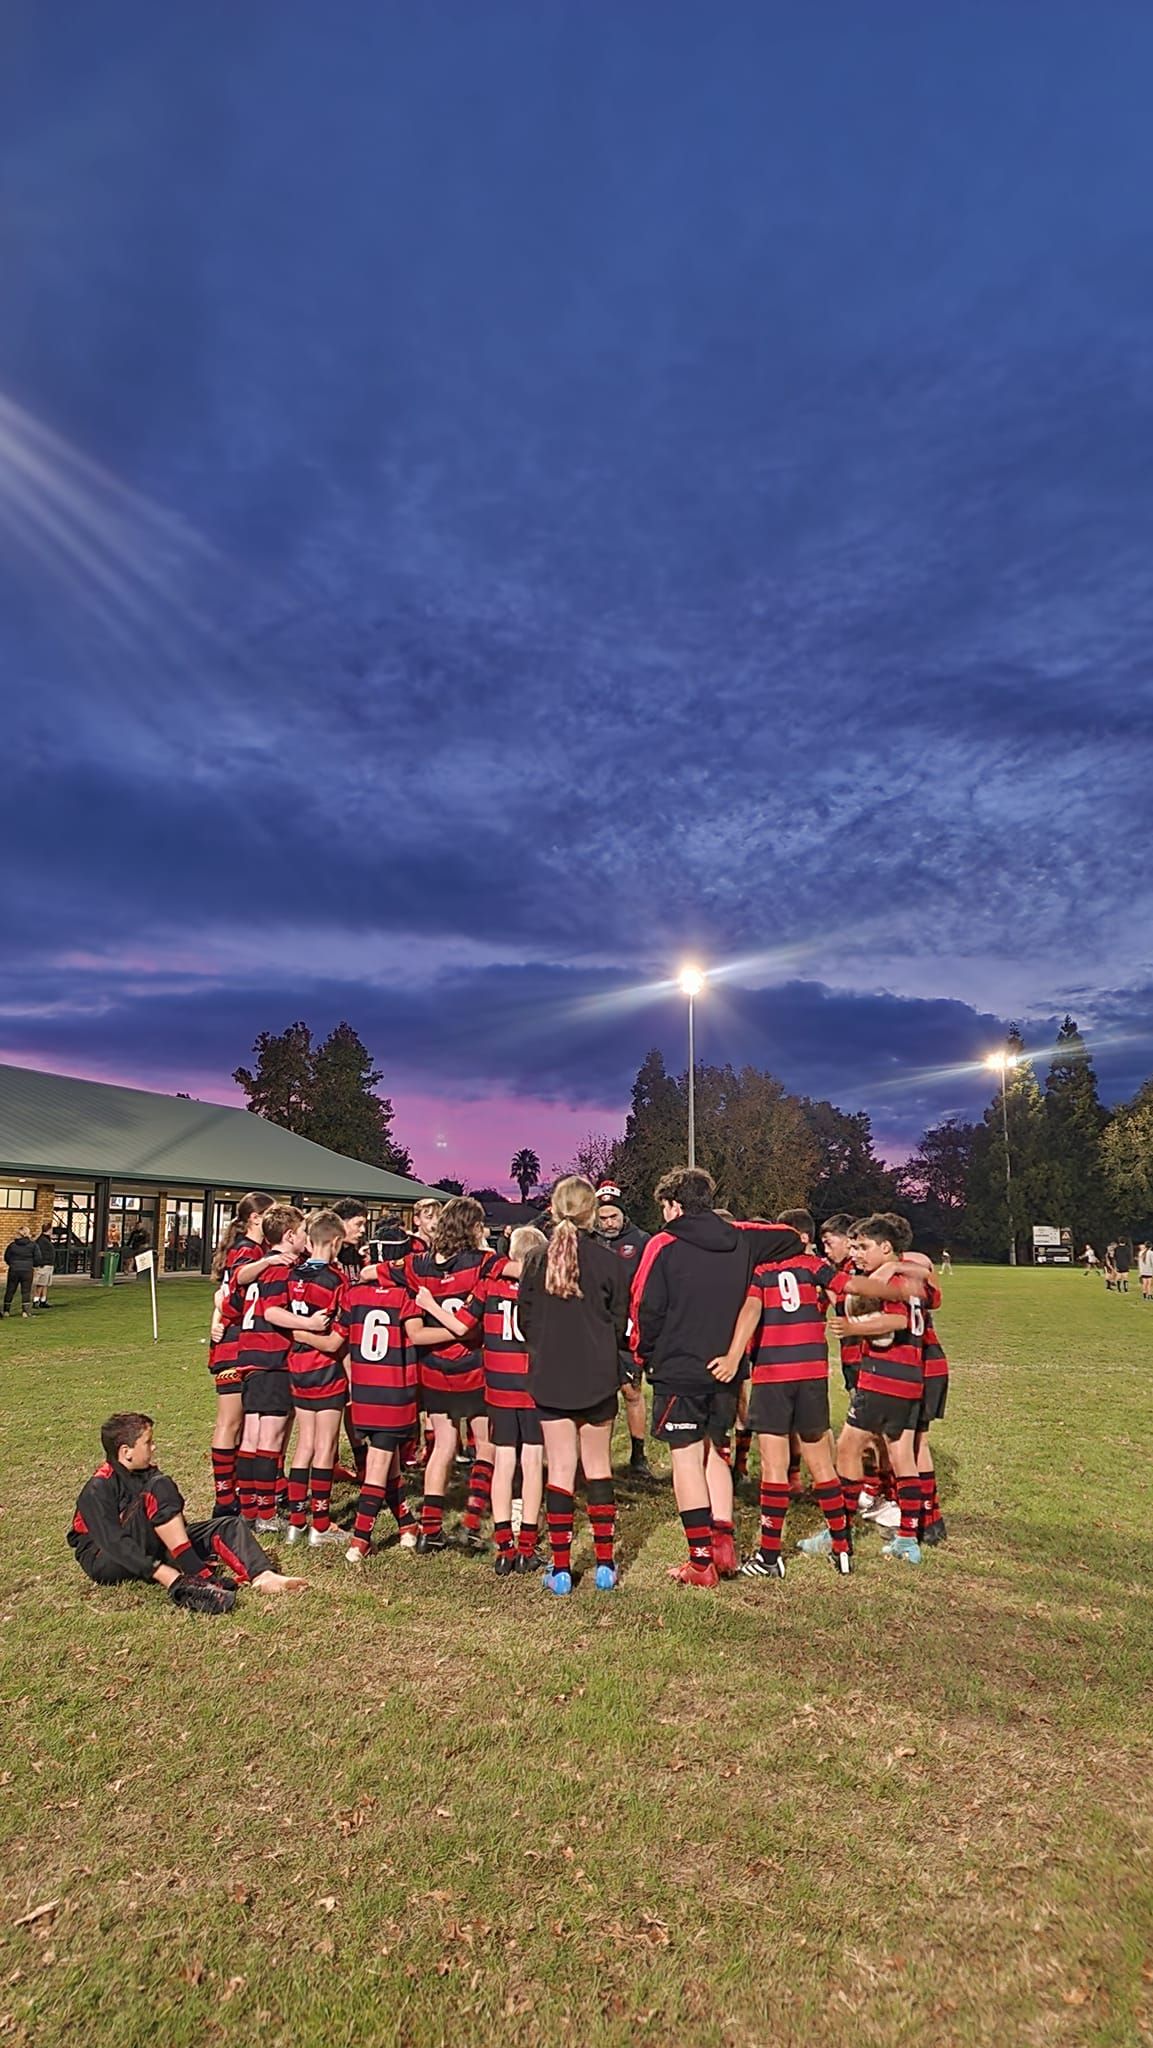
55 1126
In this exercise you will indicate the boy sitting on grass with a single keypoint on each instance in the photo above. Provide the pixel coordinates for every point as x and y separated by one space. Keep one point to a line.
129 1524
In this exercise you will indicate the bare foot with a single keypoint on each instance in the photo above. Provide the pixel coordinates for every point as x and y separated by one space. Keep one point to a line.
275 1582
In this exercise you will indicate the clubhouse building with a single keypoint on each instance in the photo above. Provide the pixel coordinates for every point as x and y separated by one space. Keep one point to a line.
99 1165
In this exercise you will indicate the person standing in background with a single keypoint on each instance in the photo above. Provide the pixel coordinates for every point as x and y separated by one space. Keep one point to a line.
44 1268
20 1259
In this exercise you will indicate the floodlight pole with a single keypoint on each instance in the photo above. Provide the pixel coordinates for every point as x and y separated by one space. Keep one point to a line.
692 1090
1008 1164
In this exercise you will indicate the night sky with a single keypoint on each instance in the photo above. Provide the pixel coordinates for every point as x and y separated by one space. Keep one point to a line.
500 496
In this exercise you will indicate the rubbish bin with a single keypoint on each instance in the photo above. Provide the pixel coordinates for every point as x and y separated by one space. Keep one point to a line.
108 1271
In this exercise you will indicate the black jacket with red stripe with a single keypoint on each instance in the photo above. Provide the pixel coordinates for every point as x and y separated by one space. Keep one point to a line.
690 1288
116 1503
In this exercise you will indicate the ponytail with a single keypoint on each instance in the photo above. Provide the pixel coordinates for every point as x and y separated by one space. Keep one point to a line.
248 1207
574 1208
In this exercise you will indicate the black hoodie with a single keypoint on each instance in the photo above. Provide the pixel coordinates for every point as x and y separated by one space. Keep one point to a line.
689 1289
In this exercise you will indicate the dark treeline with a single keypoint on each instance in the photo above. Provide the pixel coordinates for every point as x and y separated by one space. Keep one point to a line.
1074 1163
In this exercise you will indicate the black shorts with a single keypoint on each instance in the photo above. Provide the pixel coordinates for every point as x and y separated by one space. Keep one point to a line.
267 1393
460 1407
509 1428
591 1418
790 1408
385 1439
681 1418
229 1379
882 1414
934 1400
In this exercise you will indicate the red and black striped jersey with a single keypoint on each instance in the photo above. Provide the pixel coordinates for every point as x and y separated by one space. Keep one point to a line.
382 1365
491 1308
936 1363
840 1285
893 1364
261 1346
456 1366
230 1298
316 1375
790 1343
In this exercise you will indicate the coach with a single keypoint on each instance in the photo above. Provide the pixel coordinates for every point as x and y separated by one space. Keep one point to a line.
687 1294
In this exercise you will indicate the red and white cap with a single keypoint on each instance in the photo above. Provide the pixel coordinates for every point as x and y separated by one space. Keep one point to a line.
608 1194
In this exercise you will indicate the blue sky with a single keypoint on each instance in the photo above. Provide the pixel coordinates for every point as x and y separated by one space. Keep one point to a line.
494 500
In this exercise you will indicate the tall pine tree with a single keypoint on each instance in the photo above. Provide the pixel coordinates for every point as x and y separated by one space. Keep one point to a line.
1074 1123
325 1092
348 1115
849 1174
989 1216
280 1086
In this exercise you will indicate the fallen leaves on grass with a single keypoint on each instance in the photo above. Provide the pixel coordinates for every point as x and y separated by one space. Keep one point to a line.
38 1913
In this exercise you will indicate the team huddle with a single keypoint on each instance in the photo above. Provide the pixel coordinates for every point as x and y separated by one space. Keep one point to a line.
435 1350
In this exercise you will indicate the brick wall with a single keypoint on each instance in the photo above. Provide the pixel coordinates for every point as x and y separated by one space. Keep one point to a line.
31 1220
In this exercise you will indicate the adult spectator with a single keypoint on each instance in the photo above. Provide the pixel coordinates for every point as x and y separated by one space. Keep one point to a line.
45 1267
393 1239
688 1292
139 1240
354 1217
20 1259
628 1241
1122 1260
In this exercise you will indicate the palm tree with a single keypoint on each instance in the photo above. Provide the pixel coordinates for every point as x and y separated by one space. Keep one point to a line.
525 1170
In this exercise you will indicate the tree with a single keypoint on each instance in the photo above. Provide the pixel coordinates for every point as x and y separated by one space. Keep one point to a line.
934 1181
525 1170
348 1115
755 1140
594 1159
326 1093
751 1135
1074 1122
1127 1156
487 1195
280 1085
450 1187
849 1174
991 1210
654 1139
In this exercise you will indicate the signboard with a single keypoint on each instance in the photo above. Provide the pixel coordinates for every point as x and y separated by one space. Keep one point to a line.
1046 1233
1051 1247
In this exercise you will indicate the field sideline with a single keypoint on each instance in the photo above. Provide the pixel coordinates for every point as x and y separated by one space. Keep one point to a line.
423 1806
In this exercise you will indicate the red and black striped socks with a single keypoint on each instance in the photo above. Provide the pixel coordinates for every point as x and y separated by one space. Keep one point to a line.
502 1537
909 1502
601 1501
368 1508
298 1496
432 1515
930 1503
397 1505
246 1484
697 1524
321 1497
851 1495
774 1508
831 1502
479 1494
559 1514
224 1479
528 1539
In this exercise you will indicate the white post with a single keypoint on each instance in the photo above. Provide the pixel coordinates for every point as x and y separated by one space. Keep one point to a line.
146 1263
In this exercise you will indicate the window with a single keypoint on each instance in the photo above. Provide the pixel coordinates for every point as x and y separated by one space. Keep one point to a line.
17 1198
73 1222
183 1234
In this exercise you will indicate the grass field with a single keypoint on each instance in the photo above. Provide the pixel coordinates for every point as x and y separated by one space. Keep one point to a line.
422 1806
